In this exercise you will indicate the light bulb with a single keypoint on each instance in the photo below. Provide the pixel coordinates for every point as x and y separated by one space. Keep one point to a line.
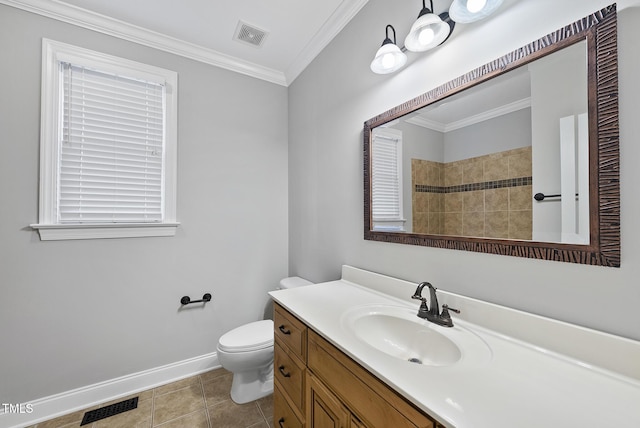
475 6
426 36
388 61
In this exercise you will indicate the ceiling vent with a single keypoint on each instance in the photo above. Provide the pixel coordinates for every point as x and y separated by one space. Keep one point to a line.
249 34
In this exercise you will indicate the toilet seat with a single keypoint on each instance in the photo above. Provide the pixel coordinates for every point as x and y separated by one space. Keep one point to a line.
249 337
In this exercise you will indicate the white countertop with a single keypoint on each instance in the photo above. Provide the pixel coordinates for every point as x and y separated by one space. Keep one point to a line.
521 384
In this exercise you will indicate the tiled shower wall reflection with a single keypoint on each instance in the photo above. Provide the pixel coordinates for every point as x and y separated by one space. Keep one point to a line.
487 196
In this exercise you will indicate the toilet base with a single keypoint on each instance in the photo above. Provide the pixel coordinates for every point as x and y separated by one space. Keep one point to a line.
251 385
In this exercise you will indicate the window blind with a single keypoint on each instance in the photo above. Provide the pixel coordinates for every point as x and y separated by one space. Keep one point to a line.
385 179
111 154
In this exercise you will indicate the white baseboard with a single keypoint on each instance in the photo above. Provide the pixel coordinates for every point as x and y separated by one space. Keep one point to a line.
77 399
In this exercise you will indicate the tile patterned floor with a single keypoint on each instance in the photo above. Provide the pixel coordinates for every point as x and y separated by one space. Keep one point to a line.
201 401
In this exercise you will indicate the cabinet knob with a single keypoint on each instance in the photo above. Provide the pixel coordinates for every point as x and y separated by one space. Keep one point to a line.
281 422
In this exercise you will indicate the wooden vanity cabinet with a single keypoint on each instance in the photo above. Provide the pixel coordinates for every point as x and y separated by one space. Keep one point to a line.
284 415
290 366
336 391
355 423
369 400
324 409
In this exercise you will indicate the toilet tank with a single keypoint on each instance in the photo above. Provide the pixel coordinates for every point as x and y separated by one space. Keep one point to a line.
293 282
285 283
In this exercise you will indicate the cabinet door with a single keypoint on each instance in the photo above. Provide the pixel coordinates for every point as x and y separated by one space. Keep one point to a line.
323 408
355 423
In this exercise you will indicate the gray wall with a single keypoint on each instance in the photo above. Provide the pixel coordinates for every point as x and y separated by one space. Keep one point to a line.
74 313
328 104
499 134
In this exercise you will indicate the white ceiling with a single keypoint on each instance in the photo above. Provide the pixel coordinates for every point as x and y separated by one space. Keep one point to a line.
203 29
496 97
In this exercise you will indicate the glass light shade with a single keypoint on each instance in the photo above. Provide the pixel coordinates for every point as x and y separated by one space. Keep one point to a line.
388 59
465 11
426 33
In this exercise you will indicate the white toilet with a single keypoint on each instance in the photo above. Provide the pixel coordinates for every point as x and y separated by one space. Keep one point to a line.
247 352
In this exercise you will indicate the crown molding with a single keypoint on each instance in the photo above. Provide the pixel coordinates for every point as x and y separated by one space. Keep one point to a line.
330 29
113 27
471 120
120 29
434 125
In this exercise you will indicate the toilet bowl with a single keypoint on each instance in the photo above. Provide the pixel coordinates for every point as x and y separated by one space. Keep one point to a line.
247 352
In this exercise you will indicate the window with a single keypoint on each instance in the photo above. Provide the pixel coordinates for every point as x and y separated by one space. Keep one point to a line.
108 146
386 168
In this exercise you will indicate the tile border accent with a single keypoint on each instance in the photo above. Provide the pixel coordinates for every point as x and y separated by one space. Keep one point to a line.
81 398
496 184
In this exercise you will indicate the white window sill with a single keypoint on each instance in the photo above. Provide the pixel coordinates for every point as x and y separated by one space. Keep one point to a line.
58 232
383 228
389 225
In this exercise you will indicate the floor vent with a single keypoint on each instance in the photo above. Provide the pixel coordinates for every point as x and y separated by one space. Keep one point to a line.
249 34
111 410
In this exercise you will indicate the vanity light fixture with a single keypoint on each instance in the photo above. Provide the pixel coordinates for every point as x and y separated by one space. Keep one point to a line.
429 30
466 11
389 57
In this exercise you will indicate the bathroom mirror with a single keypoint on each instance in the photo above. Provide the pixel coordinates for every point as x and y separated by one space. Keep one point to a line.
518 157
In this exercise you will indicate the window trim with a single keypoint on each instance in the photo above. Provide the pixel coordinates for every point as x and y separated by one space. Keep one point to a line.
53 53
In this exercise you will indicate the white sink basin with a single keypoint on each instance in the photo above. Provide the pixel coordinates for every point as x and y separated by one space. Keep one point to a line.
398 332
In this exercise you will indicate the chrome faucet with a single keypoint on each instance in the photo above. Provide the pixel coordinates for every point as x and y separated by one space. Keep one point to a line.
433 313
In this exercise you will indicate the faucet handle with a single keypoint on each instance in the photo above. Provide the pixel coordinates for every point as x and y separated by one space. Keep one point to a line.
446 307
423 311
445 317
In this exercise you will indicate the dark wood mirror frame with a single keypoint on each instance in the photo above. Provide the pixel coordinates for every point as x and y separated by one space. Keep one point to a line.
600 31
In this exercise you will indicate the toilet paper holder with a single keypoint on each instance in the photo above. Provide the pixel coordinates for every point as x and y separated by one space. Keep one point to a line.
187 300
